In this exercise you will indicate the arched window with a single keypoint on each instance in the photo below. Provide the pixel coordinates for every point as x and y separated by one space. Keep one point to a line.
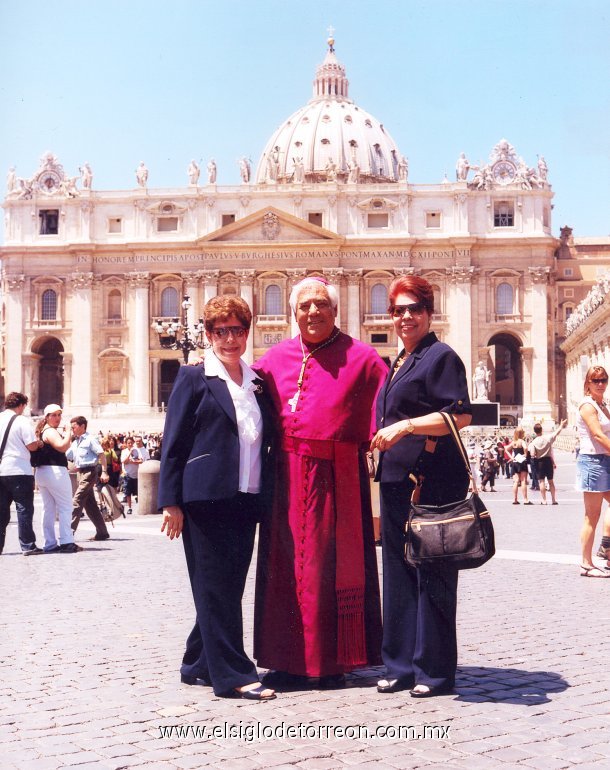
436 293
49 305
273 300
114 304
169 302
504 299
379 299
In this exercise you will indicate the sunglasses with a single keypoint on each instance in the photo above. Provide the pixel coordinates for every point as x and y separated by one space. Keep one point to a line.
415 308
223 331
599 381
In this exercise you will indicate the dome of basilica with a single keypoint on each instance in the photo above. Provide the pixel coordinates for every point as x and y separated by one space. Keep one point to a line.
331 139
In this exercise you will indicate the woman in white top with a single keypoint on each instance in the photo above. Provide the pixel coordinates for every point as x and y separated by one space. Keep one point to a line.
593 464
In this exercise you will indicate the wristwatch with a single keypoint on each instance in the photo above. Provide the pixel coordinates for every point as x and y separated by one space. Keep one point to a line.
409 426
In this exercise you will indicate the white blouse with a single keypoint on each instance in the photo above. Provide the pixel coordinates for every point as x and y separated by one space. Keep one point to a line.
249 421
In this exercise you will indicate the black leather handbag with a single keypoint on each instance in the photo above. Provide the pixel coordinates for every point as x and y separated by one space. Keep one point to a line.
458 534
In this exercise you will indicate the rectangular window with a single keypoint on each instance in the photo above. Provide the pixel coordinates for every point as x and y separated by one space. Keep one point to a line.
315 218
167 224
228 219
568 272
504 214
115 225
379 339
433 219
377 221
568 292
49 221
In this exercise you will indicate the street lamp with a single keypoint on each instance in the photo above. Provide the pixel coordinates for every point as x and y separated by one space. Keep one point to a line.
176 334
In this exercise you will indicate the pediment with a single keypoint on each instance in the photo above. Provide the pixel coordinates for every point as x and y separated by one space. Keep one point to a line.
270 225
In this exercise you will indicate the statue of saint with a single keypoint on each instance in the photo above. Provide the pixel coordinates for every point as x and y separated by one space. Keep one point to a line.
86 176
193 172
244 170
212 171
403 169
461 168
481 381
543 169
273 164
299 170
331 171
11 180
353 176
142 174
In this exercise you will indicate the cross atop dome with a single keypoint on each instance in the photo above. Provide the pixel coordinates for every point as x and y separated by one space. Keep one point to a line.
330 81
331 38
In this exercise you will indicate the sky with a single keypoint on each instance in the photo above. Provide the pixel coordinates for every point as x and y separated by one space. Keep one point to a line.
114 82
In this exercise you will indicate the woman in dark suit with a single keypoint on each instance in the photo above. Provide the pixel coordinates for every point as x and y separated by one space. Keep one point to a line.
213 453
419 605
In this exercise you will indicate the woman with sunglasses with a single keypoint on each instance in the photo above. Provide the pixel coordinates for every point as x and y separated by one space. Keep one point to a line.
593 466
212 465
419 605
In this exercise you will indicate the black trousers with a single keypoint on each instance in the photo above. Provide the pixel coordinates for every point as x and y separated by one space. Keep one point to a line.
419 605
218 539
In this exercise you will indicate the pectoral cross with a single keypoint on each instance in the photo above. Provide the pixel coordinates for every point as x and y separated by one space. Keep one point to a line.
294 400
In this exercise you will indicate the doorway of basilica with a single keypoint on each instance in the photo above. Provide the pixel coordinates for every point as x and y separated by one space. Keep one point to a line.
50 373
505 350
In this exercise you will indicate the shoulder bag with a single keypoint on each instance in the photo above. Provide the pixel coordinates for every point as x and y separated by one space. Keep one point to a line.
458 534
5 437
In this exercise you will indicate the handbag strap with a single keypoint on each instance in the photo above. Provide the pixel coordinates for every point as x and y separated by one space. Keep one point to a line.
5 437
449 422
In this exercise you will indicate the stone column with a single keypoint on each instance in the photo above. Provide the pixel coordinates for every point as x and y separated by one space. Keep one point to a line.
295 275
459 310
354 278
31 373
191 289
139 322
333 276
67 370
540 406
82 342
209 281
246 283
13 378
155 367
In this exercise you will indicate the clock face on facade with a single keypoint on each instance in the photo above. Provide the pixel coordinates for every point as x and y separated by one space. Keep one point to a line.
504 172
49 181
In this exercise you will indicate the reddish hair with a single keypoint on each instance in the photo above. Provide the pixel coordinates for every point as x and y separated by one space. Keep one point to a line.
593 372
413 284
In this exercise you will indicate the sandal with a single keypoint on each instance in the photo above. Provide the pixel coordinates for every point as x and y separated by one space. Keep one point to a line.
593 572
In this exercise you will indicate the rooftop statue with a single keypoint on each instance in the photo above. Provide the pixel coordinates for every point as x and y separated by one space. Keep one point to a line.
86 176
244 169
11 181
212 171
403 169
462 167
299 170
193 172
142 174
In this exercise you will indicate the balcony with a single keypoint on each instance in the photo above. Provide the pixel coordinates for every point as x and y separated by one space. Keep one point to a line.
510 318
377 320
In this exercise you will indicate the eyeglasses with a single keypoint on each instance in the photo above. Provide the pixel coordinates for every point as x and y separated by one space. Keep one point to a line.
600 381
415 308
321 304
223 331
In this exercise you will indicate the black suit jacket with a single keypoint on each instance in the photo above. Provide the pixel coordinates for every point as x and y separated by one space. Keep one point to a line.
432 379
200 449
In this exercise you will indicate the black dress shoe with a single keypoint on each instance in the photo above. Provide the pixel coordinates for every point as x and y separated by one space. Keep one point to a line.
393 685
194 680
70 548
282 680
99 537
429 692
331 682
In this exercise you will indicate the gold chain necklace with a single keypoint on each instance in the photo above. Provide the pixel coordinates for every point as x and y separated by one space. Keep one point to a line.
306 356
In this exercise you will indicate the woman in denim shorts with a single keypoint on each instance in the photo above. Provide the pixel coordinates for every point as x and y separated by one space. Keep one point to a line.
593 467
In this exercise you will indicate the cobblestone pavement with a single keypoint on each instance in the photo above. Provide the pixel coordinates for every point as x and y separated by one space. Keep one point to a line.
90 645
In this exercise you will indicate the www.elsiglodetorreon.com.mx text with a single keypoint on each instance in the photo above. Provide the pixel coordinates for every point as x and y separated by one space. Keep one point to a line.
259 732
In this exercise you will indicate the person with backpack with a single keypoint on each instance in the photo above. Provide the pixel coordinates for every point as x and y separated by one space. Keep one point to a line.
17 440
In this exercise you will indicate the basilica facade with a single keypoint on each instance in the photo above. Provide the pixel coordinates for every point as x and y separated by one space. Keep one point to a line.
94 282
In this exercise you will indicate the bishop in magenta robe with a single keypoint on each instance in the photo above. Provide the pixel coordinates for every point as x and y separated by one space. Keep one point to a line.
317 609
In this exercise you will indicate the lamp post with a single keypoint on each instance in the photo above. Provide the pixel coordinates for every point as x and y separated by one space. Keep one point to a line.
176 334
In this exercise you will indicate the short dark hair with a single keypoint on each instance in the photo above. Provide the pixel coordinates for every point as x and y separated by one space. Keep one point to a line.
537 428
79 420
15 399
